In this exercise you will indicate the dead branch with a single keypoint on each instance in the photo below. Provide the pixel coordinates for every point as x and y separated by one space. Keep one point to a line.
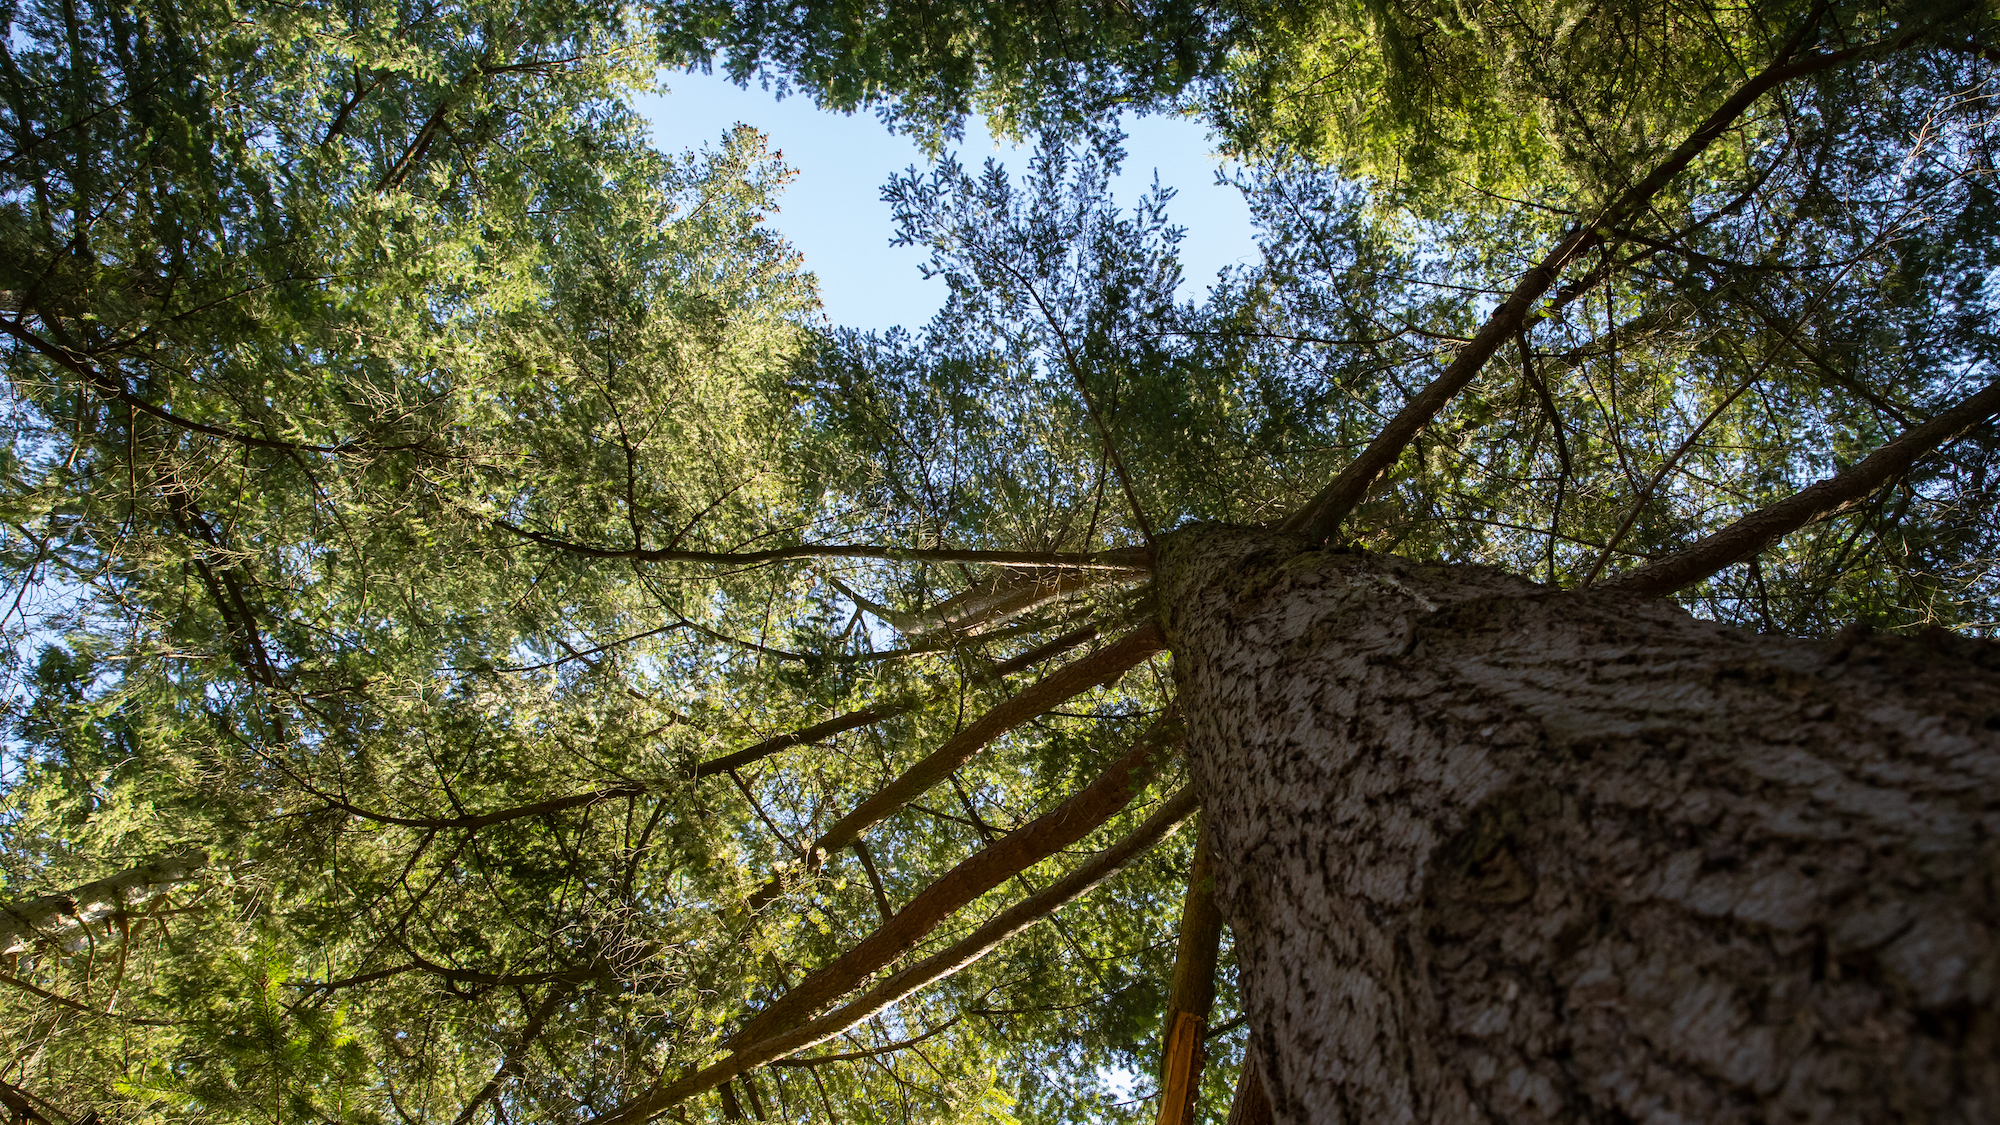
1101 667
939 966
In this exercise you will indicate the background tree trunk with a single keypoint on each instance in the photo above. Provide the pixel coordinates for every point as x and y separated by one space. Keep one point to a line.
1499 852
65 919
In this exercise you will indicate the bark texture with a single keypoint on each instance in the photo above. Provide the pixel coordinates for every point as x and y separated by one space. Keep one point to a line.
1498 852
65 919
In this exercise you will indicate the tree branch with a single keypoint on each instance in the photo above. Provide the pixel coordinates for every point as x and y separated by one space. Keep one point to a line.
871 1052
875 713
1193 995
874 880
83 1008
958 956
1101 667
1322 516
481 820
818 732
1127 559
1758 530
113 389
985 869
61 917
511 1064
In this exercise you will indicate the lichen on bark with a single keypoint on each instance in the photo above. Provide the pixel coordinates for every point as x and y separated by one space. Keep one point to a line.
1493 851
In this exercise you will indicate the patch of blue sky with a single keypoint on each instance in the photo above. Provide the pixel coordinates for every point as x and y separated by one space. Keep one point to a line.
834 215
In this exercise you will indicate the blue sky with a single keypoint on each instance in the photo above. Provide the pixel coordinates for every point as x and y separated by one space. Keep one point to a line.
834 214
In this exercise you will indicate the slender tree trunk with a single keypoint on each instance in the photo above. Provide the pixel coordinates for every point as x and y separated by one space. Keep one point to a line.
1497 852
64 920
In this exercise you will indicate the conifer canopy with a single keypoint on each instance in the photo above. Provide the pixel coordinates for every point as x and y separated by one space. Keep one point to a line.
480 646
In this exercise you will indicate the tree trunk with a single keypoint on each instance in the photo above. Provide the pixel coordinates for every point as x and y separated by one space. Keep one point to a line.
1497 852
65 920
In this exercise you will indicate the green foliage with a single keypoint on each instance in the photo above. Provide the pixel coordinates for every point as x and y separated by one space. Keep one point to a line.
1515 100
364 362
1029 67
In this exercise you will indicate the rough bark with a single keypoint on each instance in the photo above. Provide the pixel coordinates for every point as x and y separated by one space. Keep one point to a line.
1497 852
1250 1106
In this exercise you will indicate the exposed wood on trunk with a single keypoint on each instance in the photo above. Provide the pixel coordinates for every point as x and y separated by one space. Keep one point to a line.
1322 516
1839 493
1192 996
1104 666
956 957
1496 852
63 919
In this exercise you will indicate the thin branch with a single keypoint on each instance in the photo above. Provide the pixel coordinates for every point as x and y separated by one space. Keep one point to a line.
871 1052
481 820
421 143
1104 666
418 964
1645 494
584 654
347 106
1842 492
1128 559
757 807
75 1006
818 732
874 880
984 870
1825 366
1322 516
1075 368
879 712
1549 411
111 388
960 955
511 1064
356 981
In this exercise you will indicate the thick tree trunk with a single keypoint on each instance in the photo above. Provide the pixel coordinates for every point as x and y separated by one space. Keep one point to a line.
1497 852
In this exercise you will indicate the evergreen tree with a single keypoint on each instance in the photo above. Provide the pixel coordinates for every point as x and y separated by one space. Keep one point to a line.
484 651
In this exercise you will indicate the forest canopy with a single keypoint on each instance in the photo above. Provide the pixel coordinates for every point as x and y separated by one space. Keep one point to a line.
480 646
